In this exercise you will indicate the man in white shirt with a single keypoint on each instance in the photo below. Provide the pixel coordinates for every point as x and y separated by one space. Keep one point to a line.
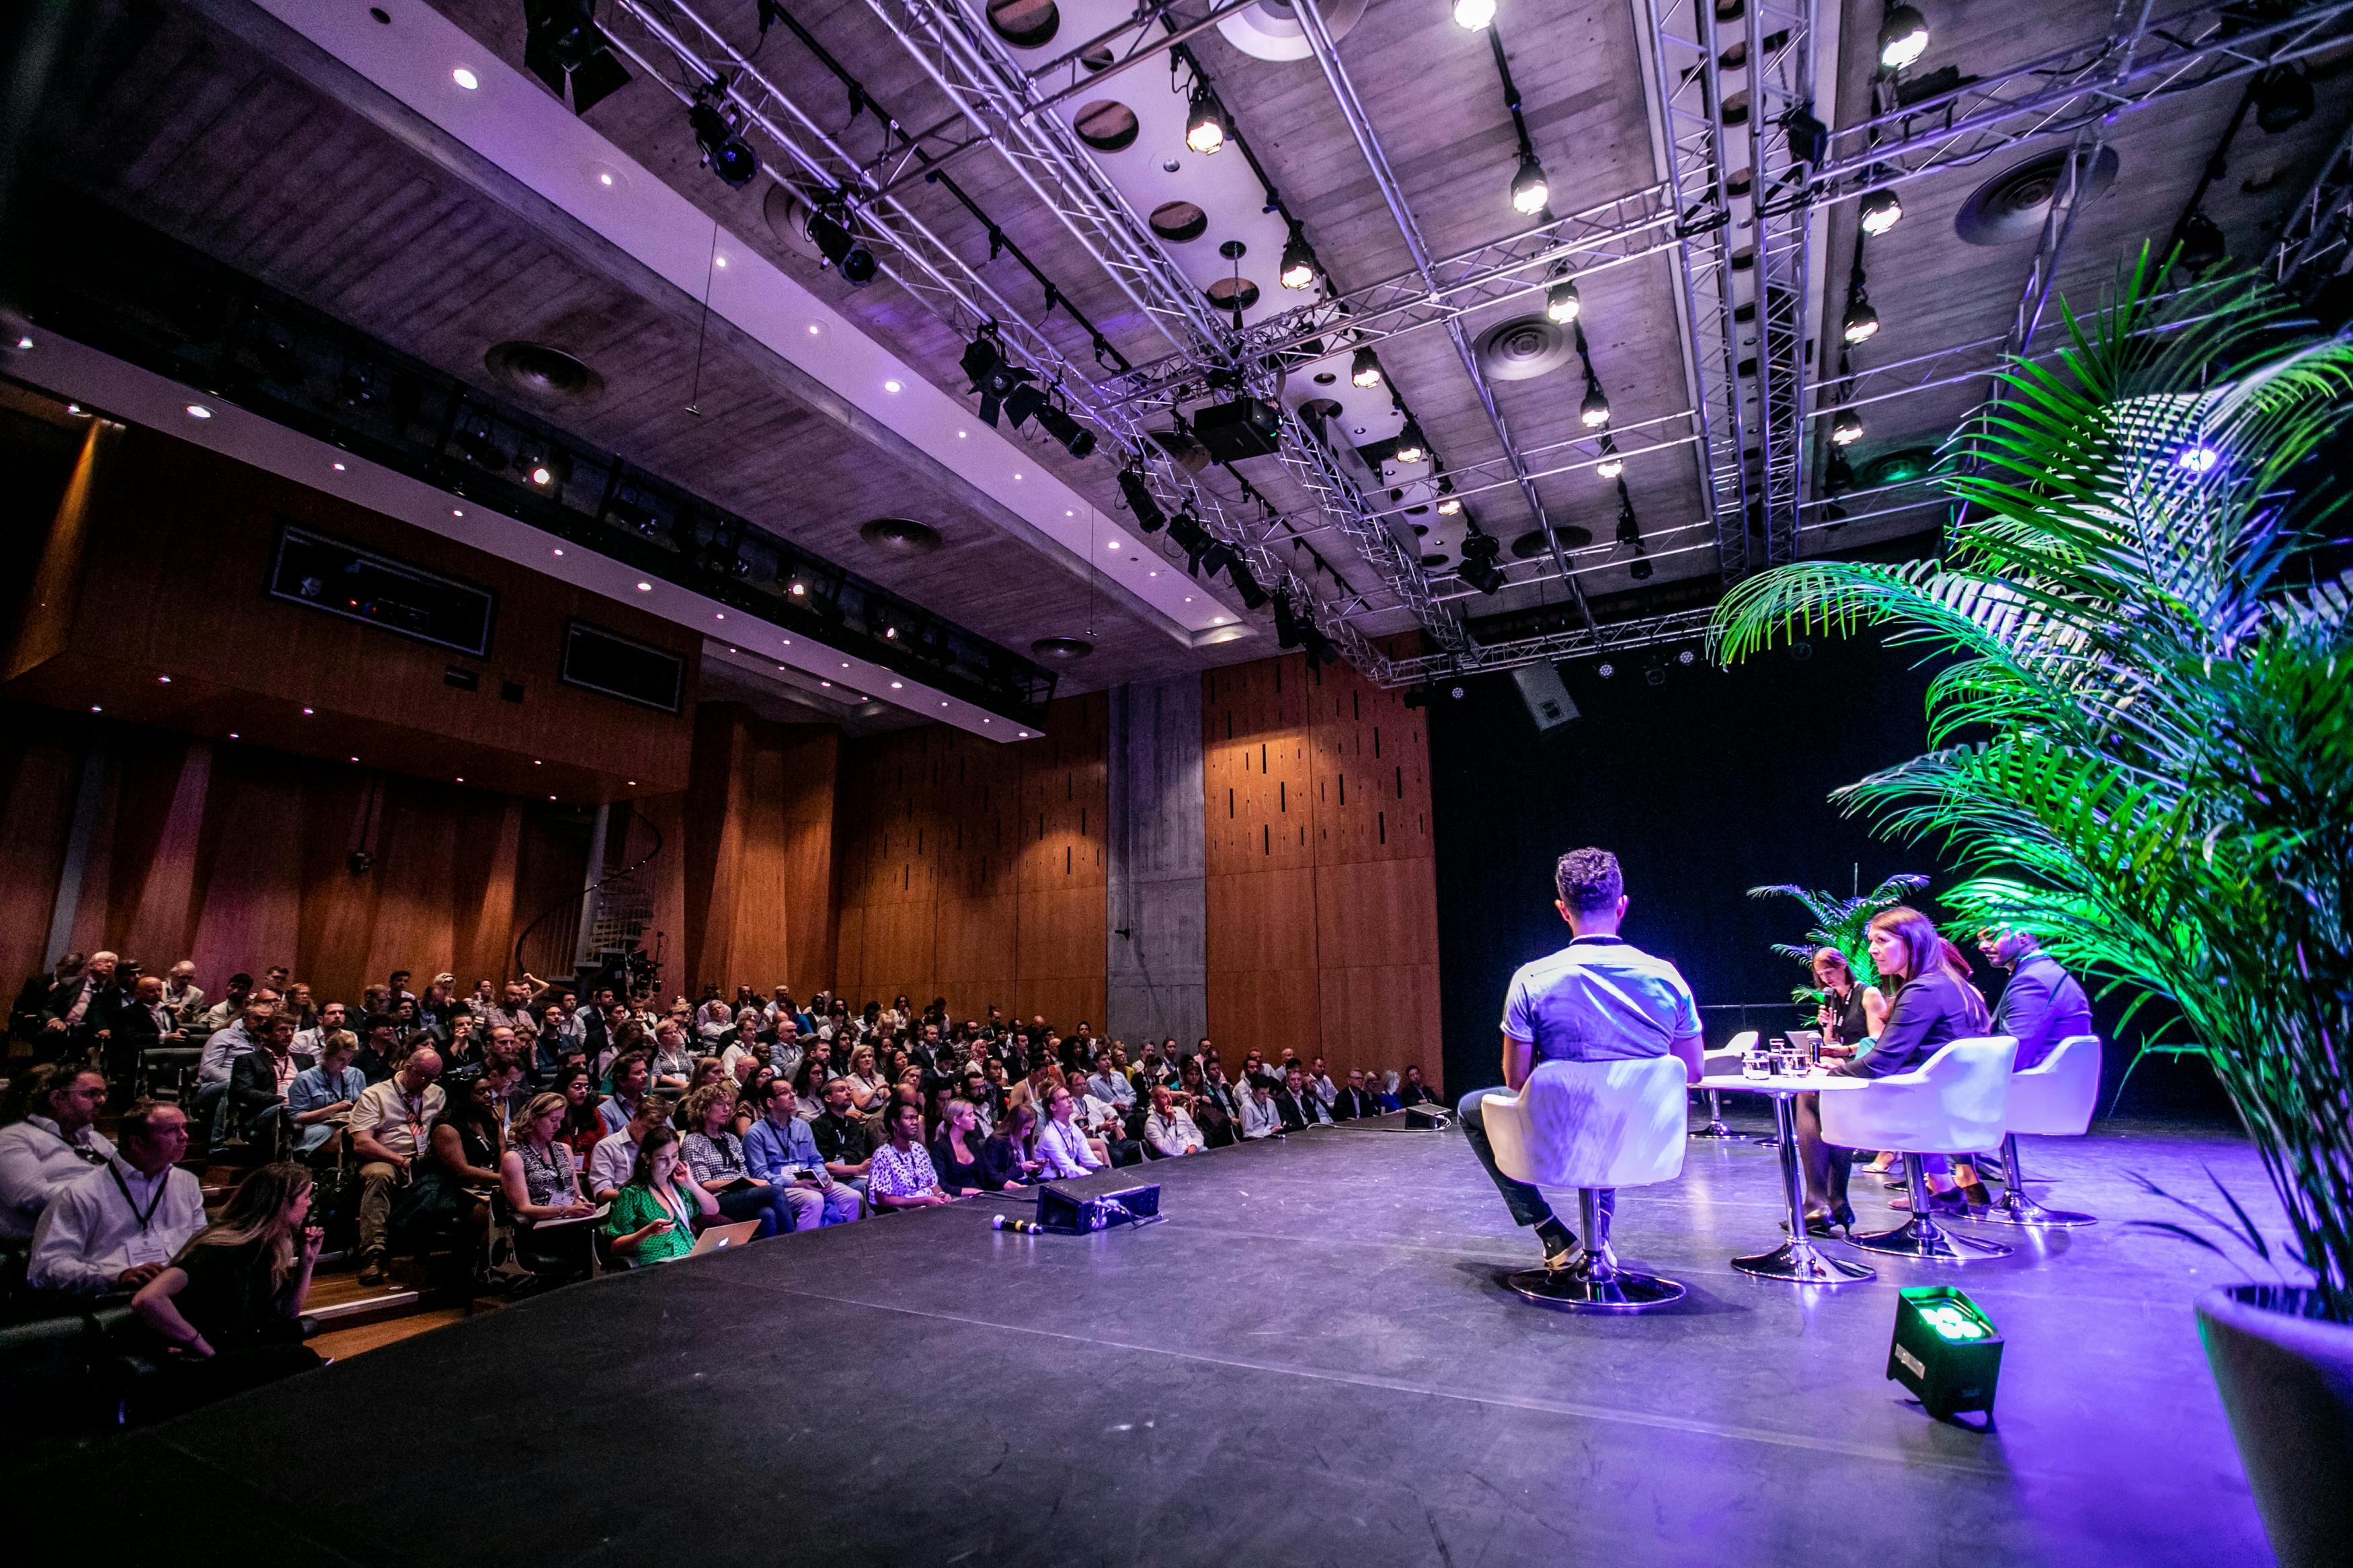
1105 1123
312 1042
1320 1083
183 996
1168 1130
1259 1117
388 1129
54 1146
610 1161
115 1226
1063 1146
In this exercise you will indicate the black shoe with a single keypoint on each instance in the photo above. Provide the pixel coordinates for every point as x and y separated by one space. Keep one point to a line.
1974 1195
1557 1257
371 1272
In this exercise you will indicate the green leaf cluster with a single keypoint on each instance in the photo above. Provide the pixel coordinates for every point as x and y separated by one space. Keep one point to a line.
2144 746
1841 924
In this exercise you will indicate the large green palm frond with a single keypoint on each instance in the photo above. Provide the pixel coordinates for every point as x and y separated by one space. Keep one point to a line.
2144 735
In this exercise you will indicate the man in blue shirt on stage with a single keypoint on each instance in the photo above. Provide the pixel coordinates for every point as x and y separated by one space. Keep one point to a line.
1600 998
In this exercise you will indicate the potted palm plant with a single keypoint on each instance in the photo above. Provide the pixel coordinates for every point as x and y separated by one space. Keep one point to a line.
1841 924
2143 753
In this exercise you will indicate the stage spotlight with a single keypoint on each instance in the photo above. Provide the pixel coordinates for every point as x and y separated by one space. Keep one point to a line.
1606 670
1254 596
1611 465
1411 447
1190 537
1594 411
545 469
2283 99
829 231
1473 15
1862 323
983 366
1075 437
728 155
1903 36
1024 400
2201 244
1561 303
1529 191
1879 212
1204 122
1945 1349
1846 427
1286 623
1478 566
1810 138
562 46
1298 262
1364 369
1449 503
1149 518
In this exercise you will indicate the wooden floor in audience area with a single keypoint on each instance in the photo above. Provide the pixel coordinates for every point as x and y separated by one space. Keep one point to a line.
1312 1361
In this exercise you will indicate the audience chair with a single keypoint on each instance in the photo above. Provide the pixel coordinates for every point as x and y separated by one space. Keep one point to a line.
1953 1104
1720 1064
1593 1126
2053 1099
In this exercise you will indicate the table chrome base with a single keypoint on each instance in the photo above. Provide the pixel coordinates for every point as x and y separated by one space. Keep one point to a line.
1923 1241
1571 1290
1715 1127
1801 1263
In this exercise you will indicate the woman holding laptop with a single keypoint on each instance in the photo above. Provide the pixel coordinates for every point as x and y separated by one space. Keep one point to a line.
652 1217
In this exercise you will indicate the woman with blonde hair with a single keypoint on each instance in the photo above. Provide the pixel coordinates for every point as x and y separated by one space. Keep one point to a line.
713 1151
867 1091
230 1305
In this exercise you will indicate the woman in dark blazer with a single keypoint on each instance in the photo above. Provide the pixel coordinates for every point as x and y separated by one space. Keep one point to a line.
1933 1004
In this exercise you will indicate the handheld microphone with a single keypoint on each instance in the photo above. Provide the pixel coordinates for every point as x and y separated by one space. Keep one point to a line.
1027 1226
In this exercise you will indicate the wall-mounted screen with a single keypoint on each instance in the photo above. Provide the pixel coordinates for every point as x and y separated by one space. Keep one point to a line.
597 661
362 585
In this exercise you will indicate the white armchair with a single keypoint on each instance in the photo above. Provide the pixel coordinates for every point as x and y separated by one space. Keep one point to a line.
1956 1102
2053 1099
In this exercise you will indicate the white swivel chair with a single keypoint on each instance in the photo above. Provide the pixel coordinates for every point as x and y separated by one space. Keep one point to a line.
2053 1099
1724 1063
1593 1126
1953 1104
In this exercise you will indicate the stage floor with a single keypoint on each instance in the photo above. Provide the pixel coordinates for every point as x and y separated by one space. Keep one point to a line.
1312 1361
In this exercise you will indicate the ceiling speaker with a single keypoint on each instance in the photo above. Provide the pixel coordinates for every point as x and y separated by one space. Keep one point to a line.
546 374
788 219
1269 30
1061 650
2010 206
901 536
1525 349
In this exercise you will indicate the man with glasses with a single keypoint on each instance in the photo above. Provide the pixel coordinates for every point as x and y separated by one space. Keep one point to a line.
1356 1100
56 1144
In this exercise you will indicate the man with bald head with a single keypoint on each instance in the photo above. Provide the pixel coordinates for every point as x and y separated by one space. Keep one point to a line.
388 1130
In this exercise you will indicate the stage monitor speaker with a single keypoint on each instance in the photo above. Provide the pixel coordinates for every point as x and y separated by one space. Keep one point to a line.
1063 1215
1421 1119
1547 700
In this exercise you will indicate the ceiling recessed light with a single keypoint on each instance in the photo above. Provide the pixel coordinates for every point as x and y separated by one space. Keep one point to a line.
164 680
1016 475
73 407
1113 545
645 587
306 713
604 176
465 78
1217 620
1188 598
355 759
456 511
551 797
983 720
559 552
787 642
943 704
462 778
633 783
337 466
962 433
898 686
718 261
890 386
845 664
820 683
232 734
812 328
196 410
1023 733
734 650
537 764
96 709
723 615
1070 514
25 344
1152 573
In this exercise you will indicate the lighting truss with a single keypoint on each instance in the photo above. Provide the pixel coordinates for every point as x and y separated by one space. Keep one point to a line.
1579 642
955 48
920 262
1685 56
2313 246
1352 110
1780 52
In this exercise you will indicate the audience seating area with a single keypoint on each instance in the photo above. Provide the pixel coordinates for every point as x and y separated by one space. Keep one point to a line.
268 1073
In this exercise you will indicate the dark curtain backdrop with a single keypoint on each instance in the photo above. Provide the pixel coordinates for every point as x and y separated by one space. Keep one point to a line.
1705 785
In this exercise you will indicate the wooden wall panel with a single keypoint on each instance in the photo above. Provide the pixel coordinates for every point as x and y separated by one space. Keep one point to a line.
758 894
1323 931
238 858
975 871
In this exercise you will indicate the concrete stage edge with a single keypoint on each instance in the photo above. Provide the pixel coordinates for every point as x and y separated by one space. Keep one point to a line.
1312 1361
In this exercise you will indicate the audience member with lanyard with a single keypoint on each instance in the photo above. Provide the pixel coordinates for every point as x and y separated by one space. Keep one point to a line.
390 1129
51 1143
115 1227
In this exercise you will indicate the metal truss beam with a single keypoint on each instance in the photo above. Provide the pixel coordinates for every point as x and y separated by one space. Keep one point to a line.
1780 51
931 272
1986 117
2314 245
1581 642
1368 143
963 58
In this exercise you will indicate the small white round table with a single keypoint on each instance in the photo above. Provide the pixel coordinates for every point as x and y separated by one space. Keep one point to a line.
1796 1259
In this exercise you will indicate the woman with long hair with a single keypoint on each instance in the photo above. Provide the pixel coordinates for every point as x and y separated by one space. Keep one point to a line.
1932 1003
580 1128
541 1180
652 1217
956 1150
1851 1012
448 1192
1009 1157
230 1305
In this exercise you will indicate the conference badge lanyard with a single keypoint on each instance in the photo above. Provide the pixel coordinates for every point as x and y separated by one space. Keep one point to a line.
145 1247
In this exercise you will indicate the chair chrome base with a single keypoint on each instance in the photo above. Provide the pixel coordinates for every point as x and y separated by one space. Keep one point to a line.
1920 1238
1802 1263
2017 1208
1571 1289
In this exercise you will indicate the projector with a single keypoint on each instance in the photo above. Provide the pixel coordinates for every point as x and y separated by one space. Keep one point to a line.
1243 428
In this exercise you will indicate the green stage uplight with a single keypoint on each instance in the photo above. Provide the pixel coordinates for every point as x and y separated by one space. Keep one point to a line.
1946 1351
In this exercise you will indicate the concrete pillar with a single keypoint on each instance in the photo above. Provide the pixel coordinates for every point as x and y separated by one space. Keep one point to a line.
1157 897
